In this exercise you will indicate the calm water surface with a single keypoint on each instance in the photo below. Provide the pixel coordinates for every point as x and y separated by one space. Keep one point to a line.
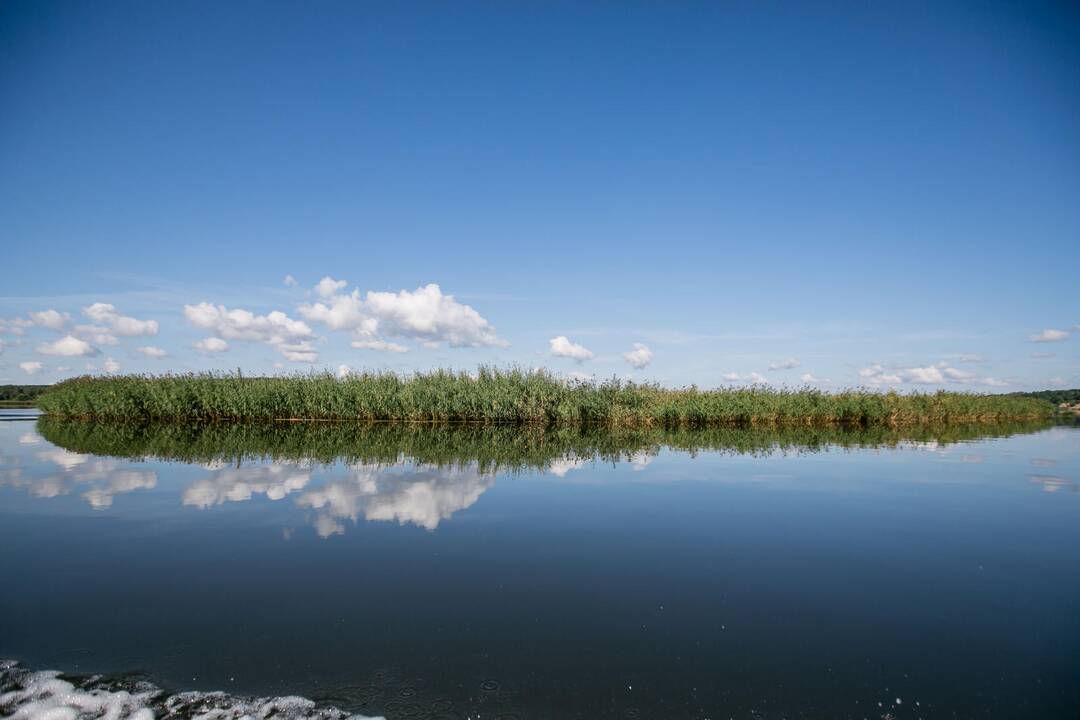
495 574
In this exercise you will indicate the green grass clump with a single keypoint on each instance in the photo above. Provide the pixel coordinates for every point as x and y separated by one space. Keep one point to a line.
507 397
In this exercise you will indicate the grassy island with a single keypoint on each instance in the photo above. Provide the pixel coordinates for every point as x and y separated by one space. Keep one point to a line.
508 396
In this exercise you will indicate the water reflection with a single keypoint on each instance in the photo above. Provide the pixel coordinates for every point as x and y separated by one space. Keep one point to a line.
241 483
430 572
502 448
422 497
59 472
411 475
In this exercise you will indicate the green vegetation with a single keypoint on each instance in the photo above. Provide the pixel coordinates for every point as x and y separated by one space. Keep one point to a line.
20 394
1056 397
507 396
491 447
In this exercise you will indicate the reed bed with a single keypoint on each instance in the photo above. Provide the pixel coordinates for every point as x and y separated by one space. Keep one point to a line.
494 396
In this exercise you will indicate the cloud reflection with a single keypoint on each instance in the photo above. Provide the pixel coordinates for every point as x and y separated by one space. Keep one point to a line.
237 484
105 477
423 497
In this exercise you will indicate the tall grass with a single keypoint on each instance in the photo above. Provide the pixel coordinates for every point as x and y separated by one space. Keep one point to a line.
506 396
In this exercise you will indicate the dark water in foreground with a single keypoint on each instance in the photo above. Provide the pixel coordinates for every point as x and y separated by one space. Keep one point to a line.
432 574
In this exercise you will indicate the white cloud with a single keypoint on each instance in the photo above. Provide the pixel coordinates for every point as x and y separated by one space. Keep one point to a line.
924 375
788 364
562 347
30 367
639 357
809 378
289 337
68 346
96 334
344 371
1049 335
111 366
753 378
50 319
106 315
302 351
14 326
211 345
289 281
380 345
151 351
938 374
328 287
424 314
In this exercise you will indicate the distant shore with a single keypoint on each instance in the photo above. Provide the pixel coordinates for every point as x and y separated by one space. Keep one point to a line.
508 396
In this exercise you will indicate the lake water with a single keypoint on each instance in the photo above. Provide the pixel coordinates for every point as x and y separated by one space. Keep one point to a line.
509 573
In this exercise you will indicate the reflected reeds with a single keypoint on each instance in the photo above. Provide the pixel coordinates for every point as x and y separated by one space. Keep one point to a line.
488 447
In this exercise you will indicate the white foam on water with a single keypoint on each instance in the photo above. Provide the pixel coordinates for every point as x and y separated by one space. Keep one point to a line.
48 695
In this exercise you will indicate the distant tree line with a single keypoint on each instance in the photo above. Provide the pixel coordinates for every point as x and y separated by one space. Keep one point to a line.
1056 396
21 393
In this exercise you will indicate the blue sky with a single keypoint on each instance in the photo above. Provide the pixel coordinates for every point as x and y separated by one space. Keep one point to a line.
884 194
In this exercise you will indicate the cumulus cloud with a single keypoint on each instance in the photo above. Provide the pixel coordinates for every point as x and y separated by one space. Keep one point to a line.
288 336
151 351
211 345
302 351
344 371
938 374
424 314
788 364
30 367
106 316
289 281
562 347
328 287
68 346
380 345
50 319
1049 335
809 378
639 357
110 366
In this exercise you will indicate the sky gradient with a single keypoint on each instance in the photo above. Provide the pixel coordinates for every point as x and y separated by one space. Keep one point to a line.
880 194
